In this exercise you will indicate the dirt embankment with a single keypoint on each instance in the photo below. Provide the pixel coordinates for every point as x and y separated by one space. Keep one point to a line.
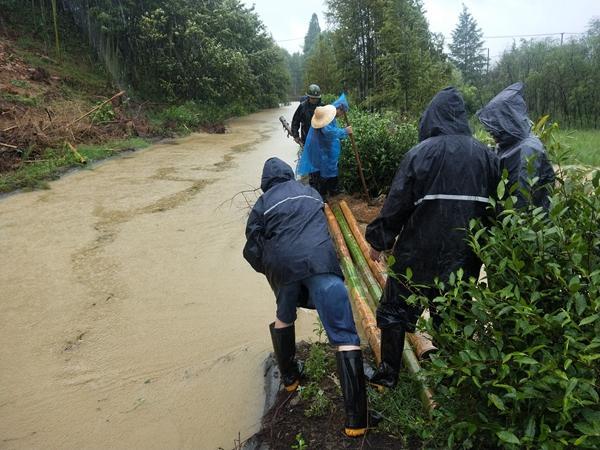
41 100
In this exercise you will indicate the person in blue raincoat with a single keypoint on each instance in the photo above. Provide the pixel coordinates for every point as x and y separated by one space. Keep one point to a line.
323 147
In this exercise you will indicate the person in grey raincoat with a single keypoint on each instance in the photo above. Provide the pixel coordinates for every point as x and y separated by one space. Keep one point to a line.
521 153
288 241
442 183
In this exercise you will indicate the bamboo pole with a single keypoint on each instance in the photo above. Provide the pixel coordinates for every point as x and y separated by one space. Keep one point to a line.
357 156
55 20
80 158
359 260
421 342
357 293
367 317
377 268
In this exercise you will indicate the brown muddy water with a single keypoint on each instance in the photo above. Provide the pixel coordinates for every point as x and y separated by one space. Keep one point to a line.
128 317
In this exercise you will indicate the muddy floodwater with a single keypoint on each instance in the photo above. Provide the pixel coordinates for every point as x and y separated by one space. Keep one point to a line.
128 317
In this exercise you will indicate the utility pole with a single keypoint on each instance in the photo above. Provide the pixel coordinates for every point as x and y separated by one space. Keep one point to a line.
561 38
487 69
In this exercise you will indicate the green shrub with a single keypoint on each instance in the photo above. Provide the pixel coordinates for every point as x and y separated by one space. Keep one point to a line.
382 141
328 99
318 402
190 116
518 364
106 113
318 363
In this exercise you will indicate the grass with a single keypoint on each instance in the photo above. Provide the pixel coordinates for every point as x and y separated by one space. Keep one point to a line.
404 416
19 99
584 146
55 162
75 67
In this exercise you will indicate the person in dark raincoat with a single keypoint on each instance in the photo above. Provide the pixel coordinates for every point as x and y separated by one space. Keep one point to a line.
288 241
442 183
521 153
323 147
304 114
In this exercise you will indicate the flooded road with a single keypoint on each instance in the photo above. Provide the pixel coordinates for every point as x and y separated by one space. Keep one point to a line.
128 317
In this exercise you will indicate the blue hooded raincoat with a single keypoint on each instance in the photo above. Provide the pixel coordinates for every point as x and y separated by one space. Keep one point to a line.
323 147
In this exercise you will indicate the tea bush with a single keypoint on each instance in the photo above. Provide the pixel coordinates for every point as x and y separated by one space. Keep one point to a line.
519 355
382 140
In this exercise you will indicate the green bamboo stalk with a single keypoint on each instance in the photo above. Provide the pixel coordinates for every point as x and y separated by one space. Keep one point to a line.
357 292
357 255
347 264
55 19
408 356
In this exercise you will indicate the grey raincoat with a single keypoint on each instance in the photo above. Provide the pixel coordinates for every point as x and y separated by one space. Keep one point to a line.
521 153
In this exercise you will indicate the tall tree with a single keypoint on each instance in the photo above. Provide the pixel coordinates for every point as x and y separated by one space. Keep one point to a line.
295 63
321 67
466 48
357 23
312 34
412 65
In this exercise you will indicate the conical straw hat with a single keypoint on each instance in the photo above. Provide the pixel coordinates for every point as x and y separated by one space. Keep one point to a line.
323 116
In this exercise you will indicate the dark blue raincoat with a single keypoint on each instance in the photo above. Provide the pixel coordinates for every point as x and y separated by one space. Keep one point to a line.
505 118
287 235
442 183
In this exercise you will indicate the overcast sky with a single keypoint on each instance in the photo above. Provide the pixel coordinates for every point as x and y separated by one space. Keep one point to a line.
288 20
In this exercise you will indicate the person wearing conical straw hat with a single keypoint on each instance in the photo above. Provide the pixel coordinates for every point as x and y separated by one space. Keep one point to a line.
323 147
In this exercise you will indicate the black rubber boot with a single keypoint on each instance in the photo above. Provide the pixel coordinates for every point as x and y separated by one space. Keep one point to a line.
392 346
352 382
284 345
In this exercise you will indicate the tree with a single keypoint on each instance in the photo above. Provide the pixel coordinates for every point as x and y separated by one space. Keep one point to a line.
295 64
466 49
214 51
357 23
321 68
412 66
312 34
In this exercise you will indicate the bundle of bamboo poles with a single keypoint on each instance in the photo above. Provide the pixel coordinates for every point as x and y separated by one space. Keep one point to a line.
421 342
365 286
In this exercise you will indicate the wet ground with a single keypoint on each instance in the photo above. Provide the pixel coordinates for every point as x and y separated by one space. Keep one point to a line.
128 317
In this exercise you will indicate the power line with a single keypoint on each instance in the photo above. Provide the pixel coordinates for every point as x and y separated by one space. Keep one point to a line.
527 35
287 40
508 36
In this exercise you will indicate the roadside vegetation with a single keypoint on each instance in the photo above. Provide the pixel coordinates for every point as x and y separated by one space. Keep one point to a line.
170 68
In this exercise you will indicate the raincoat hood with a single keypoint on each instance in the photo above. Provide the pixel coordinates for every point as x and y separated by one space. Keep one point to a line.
505 116
445 115
275 171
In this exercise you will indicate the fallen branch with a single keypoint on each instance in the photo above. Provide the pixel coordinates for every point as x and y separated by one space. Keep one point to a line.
81 159
96 108
8 145
10 128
